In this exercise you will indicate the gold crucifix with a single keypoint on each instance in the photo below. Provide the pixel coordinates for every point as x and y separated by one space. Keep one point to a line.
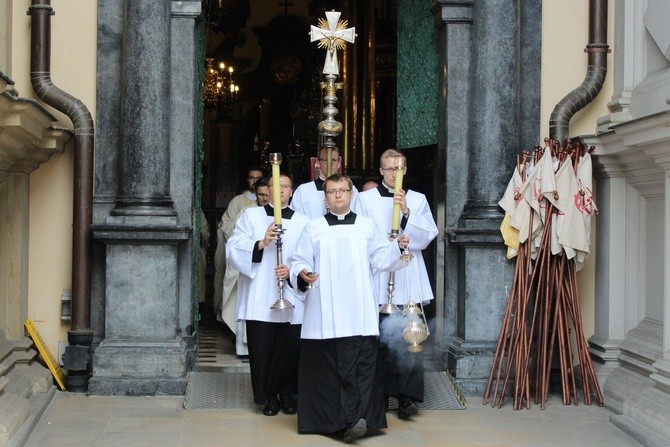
332 33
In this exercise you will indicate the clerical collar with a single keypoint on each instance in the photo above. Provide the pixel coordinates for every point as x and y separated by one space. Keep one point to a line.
319 183
335 219
384 190
286 212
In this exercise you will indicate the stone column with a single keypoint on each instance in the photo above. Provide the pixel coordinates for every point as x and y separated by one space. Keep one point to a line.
453 21
145 102
147 346
503 105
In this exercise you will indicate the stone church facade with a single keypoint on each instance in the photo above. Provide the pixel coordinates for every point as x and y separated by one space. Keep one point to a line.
134 325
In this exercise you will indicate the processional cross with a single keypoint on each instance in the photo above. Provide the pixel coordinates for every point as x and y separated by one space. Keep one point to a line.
332 33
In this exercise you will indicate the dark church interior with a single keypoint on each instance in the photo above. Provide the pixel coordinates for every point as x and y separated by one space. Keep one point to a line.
276 100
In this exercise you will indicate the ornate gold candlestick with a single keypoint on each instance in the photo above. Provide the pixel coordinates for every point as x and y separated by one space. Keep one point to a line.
400 167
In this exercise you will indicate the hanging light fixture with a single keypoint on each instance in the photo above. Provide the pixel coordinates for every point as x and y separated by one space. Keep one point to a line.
220 89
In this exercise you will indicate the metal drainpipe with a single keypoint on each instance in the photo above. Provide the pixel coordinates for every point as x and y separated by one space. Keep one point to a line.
597 48
80 334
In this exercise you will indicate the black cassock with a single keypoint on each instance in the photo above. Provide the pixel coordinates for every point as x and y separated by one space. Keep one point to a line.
340 379
345 382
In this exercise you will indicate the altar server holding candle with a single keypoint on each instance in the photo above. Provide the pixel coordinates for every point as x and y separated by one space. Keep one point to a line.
393 208
273 334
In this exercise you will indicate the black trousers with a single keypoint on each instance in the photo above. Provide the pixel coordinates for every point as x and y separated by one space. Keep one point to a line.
274 354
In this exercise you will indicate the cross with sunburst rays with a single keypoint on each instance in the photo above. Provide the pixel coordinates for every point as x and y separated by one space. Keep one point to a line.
332 34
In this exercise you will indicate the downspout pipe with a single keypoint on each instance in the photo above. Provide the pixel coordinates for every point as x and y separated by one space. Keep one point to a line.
597 49
40 12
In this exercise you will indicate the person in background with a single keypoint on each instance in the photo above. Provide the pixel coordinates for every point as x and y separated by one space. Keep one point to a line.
370 184
273 335
262 191
308 198
225 280
339 383
402 379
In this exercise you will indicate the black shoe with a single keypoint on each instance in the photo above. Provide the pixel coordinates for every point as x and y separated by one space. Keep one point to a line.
287 403
271 407
407 408
355 431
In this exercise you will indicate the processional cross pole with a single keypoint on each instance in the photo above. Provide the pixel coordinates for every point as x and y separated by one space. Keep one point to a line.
333 35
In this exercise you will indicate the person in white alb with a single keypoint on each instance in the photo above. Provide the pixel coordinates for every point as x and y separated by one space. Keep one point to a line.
308 198
339 383
403 379
273 335
225 278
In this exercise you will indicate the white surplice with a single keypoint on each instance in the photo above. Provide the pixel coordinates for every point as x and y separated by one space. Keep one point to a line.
412 281
310 200
344 303
257 286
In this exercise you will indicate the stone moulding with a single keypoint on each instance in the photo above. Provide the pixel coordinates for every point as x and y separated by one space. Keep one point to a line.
28 136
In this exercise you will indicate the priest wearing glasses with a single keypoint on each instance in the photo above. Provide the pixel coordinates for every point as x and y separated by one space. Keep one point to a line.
339 383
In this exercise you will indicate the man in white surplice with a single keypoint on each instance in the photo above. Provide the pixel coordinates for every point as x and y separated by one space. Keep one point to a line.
273 335
308 198
339 384
403 370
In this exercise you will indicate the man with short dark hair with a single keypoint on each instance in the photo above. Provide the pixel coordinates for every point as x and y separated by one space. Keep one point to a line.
308 198
339 384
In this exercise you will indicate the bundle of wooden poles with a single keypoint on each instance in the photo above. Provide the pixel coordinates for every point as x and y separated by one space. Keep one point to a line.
542 320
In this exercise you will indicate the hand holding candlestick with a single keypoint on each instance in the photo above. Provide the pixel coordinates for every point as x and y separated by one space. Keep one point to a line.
399 170
399 204
399 167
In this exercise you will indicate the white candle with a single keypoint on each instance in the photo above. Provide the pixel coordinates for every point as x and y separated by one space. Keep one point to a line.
395 222
275 160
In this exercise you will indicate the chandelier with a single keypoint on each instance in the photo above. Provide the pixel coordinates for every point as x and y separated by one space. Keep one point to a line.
219 90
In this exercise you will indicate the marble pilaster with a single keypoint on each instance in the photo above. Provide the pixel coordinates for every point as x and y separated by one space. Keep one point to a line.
142 311
481 141
453 20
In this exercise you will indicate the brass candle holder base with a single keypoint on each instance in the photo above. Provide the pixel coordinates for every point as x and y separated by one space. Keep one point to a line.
388 309
282 304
